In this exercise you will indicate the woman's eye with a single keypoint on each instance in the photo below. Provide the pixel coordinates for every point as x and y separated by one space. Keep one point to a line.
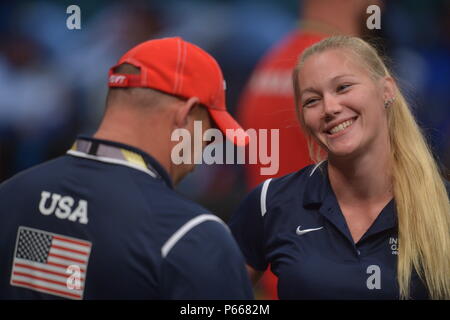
309 102
343 87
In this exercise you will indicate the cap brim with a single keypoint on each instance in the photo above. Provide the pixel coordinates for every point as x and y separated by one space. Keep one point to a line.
235 133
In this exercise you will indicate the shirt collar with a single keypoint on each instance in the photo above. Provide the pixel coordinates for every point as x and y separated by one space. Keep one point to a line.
318 193
116 150
317 185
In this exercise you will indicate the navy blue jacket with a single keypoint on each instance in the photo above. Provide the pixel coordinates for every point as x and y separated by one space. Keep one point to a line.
103 222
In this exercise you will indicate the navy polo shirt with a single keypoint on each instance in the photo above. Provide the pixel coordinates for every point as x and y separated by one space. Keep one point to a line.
103 222
294 223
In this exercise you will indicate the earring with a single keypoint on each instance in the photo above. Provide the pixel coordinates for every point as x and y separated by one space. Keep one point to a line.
388 102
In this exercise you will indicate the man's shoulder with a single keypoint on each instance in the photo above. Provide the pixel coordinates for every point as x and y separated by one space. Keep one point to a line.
198 230
35 173
166 202
179 213
173 214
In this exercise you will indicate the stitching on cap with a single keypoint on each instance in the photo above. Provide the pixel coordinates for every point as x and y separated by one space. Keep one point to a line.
175 85
216 95
183 63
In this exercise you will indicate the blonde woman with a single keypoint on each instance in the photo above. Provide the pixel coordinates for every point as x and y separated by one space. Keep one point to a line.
372 221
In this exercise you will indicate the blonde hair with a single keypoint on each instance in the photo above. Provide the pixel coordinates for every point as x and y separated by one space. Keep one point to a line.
422 202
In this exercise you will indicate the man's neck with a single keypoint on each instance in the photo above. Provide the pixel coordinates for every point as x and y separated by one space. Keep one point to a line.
146 139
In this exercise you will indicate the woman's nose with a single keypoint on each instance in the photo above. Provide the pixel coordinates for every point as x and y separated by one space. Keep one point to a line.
331 106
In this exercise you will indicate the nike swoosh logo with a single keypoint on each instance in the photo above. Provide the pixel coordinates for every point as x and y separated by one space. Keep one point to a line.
302 232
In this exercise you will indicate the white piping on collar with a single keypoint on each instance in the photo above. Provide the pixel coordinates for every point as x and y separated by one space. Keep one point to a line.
315 167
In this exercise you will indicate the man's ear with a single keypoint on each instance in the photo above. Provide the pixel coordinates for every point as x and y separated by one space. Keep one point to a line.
183 112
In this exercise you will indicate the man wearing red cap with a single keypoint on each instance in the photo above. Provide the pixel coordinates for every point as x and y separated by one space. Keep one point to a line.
103 221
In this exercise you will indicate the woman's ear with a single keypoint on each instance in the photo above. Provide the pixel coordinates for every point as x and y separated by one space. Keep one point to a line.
183 112
389 88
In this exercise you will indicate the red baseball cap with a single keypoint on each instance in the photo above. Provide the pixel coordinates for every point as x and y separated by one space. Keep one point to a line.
179 68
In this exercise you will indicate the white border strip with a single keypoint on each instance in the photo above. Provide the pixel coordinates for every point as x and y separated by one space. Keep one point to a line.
264 195
185 229
111 160
317 165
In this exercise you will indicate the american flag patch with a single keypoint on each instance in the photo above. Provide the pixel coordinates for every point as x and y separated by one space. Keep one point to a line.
50 263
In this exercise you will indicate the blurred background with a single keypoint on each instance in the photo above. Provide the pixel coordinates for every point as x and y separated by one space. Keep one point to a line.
53 80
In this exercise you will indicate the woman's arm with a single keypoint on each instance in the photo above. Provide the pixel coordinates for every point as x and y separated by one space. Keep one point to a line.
254 275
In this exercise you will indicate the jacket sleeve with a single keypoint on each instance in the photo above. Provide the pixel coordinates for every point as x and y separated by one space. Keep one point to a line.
205 263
